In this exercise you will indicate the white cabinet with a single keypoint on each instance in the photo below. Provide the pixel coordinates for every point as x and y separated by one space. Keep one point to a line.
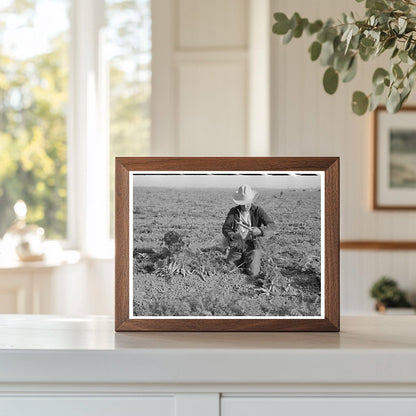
88 406
270 406
51 365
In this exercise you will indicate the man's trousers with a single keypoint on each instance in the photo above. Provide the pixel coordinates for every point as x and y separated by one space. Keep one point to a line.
249 259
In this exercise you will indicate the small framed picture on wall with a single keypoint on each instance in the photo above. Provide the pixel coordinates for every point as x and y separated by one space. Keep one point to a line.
394 150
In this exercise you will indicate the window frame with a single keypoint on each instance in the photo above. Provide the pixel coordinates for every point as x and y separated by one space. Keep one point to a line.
87 133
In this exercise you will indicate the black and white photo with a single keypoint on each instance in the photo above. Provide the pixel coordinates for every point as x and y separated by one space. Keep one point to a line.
227 244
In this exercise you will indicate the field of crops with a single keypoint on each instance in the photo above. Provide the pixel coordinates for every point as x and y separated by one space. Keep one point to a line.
189 276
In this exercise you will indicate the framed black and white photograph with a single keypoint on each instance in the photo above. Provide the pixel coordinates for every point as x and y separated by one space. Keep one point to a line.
394 179
238 244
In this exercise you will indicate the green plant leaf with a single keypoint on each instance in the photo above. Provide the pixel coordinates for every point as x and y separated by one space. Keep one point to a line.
315 50
330 80
393 101
281 27
378 89
408 42
403 56
374 101
367 42
402 22
397 71
404 95
400 5
376 4
288 37
341 61
327 53
379 75
314 27
359 103
389 43
298 30
395 52
351 71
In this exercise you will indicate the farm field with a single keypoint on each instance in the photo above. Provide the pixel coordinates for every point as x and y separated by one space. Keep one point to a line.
184 273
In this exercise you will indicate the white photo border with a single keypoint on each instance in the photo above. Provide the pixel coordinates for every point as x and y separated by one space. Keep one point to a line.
219 173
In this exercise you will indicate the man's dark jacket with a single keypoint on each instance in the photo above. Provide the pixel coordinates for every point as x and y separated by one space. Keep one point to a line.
258 219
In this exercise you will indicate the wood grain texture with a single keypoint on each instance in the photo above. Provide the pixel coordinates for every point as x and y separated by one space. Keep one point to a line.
330 165
378 245
121 244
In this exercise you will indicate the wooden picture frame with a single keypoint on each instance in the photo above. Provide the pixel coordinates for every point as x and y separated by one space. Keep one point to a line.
301 184
394 157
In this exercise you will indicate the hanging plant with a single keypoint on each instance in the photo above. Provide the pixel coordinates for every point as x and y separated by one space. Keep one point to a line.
388 27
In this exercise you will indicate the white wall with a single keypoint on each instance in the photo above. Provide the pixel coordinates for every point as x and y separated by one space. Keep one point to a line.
211 64
203 81
308 122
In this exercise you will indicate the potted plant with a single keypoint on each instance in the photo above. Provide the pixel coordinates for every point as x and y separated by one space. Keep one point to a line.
389 27
387 294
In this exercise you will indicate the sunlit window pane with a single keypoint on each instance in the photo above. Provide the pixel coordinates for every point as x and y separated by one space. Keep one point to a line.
129 45
33 101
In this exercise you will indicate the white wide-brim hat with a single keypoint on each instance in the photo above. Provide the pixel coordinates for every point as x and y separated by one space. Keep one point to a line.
244 195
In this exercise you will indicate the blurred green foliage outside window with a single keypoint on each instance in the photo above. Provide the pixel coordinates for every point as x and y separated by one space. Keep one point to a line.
129 46
33 100
34 86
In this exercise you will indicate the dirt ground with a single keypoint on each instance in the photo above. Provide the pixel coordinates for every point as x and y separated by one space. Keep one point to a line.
196 280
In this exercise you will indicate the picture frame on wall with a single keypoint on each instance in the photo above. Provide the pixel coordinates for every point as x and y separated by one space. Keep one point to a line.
227 244
394 165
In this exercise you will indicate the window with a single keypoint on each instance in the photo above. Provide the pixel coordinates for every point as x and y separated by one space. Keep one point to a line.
75 87
33 98
129 46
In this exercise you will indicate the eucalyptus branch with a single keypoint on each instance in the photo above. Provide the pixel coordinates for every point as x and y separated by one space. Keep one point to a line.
388 26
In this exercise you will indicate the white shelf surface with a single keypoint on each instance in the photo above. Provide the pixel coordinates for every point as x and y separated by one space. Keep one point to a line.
53 349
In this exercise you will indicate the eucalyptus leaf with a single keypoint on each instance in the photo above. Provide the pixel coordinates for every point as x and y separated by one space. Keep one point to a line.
411 79
379 75
393 101
402 22
322 36
378 89
400 5
367 42
315 50
397 71
395 52
359 103
281 26
330 80
374 102
408 42
403 56
412 52
288 37
366 53
327 53
314 27
389 43
376 4
342 62
298 30
350 73
388 24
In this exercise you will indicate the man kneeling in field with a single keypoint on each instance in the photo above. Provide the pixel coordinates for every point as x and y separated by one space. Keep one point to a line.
243 227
